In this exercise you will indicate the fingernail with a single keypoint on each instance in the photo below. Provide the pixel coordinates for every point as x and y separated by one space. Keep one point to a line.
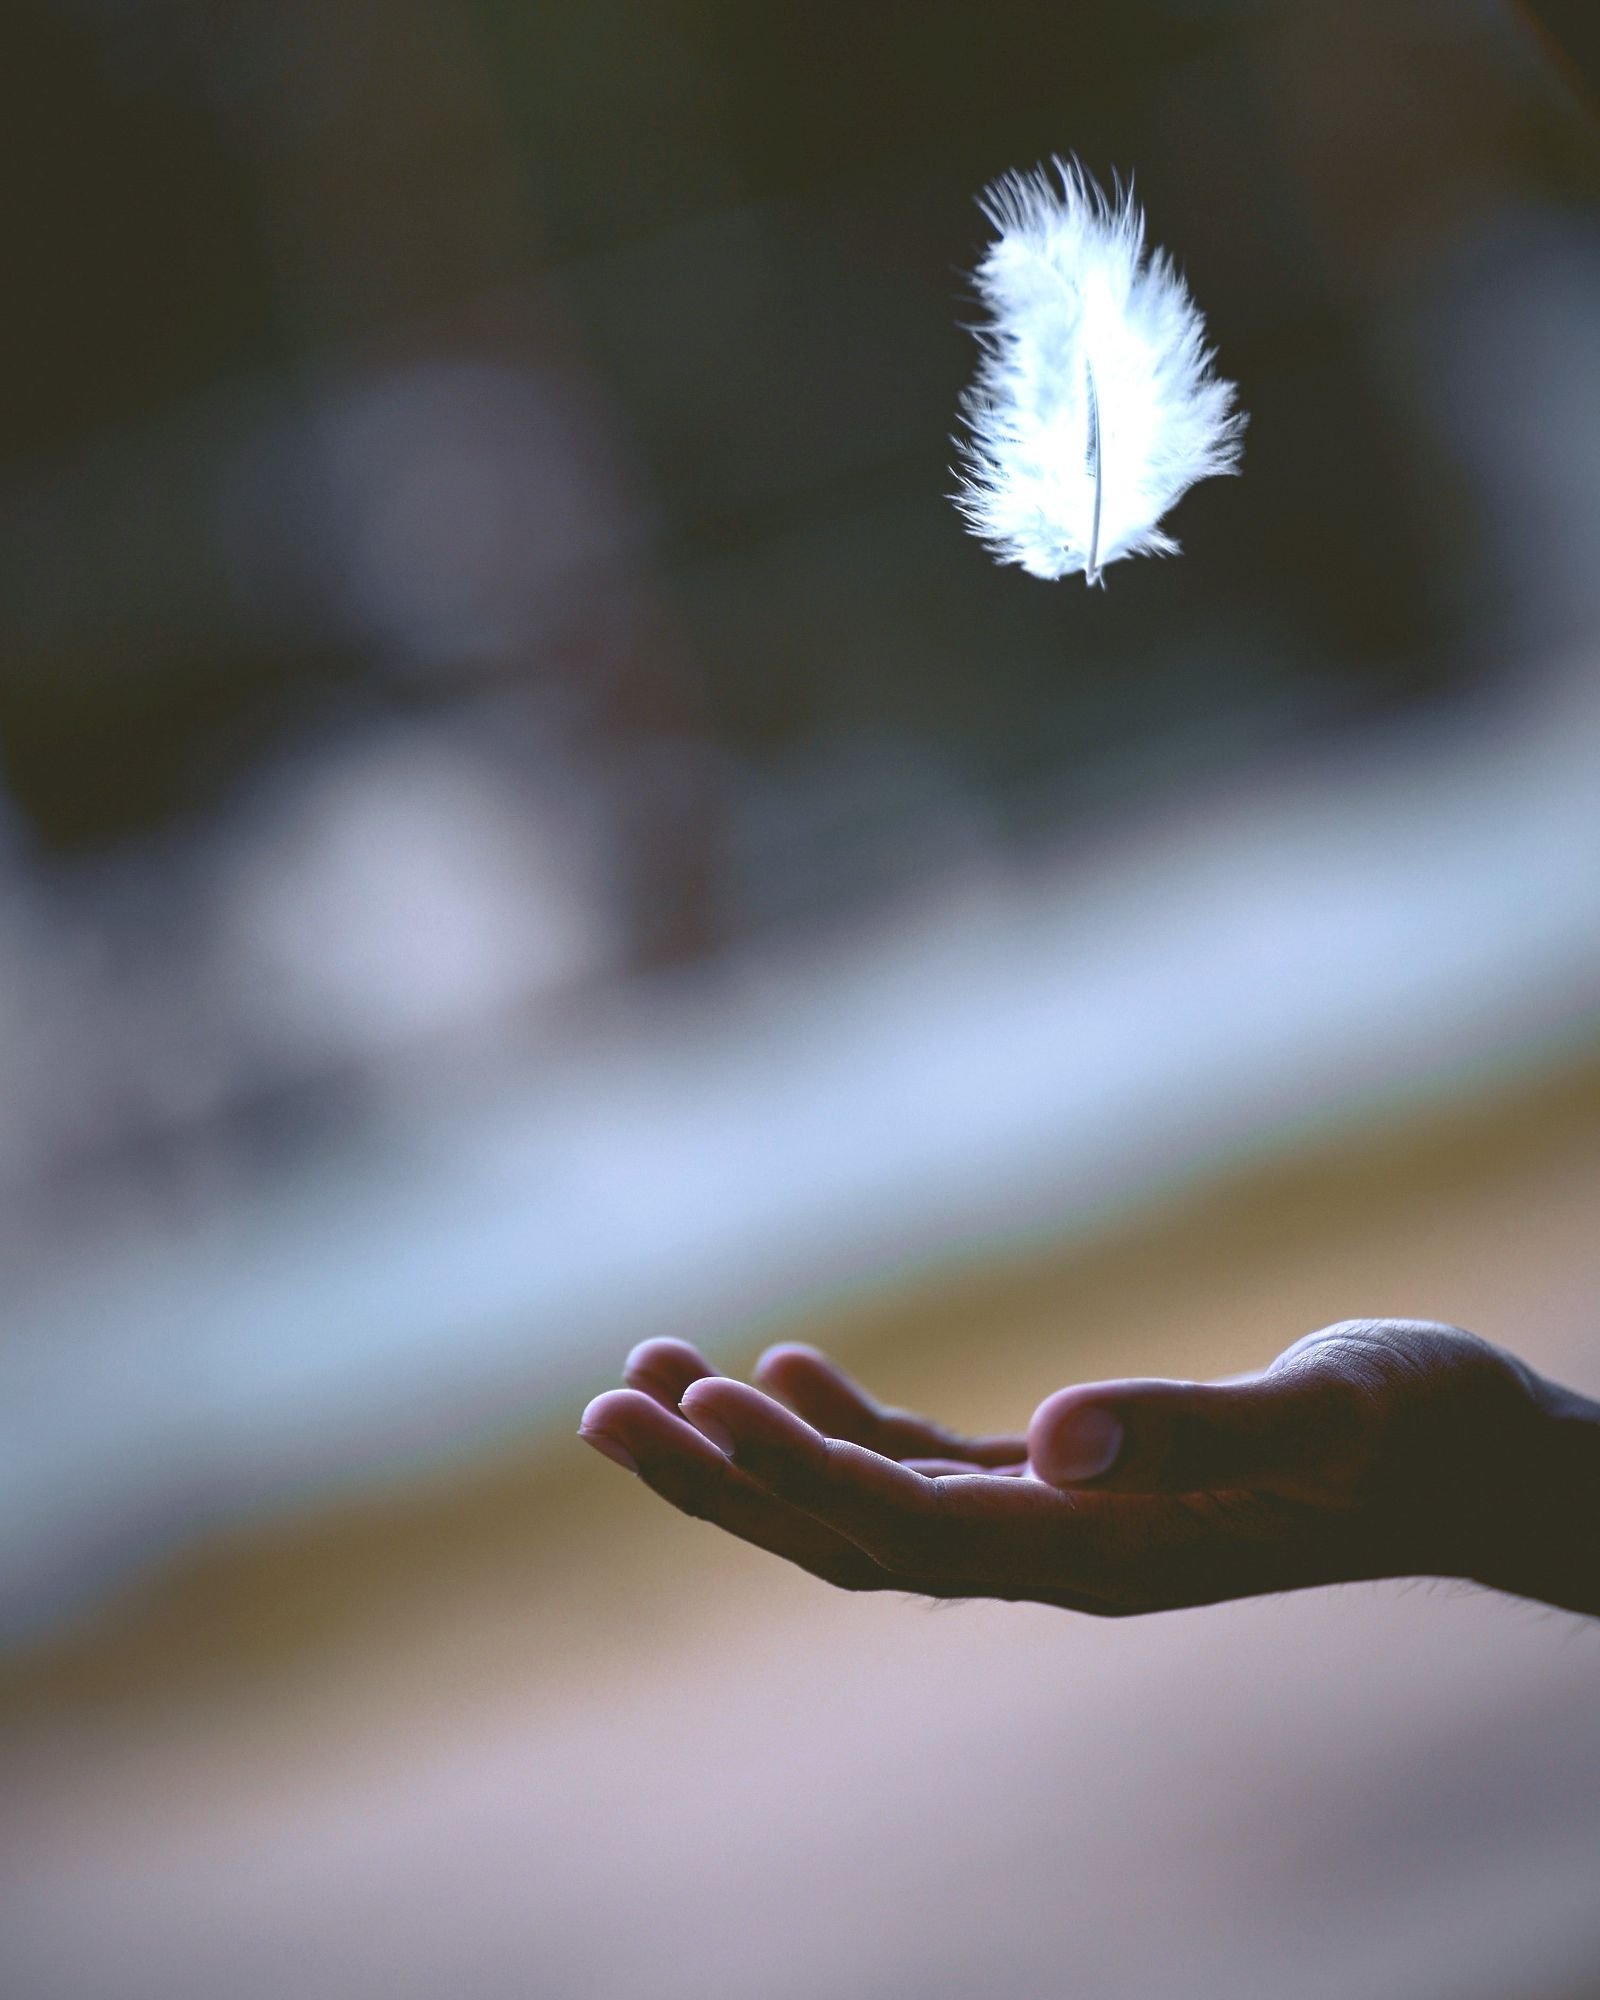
609 1448
709 1428
1083 1446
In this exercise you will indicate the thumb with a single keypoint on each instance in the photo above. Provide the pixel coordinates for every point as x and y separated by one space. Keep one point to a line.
1290 1432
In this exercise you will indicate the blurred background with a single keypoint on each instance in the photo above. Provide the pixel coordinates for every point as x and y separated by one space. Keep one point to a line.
525 823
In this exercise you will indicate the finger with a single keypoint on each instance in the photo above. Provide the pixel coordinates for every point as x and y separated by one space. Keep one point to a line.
873 1500
1288 1434
676 1462
664 1369
976 1533
820 1391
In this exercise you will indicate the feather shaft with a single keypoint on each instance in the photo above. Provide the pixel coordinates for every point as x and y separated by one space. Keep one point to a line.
1091 569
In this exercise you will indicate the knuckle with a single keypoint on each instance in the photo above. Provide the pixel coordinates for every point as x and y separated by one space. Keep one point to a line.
1353 1355
1382 1356
1394 1373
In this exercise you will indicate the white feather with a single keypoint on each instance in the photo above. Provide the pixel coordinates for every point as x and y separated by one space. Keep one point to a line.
1095 406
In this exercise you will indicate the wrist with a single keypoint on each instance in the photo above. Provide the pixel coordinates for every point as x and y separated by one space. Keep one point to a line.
1547 1546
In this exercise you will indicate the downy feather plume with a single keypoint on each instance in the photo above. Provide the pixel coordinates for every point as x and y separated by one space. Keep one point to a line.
1094 407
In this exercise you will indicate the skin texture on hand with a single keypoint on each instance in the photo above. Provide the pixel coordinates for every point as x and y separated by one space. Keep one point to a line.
1373 1448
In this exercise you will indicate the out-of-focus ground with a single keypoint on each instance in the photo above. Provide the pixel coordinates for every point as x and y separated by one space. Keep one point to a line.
526 1732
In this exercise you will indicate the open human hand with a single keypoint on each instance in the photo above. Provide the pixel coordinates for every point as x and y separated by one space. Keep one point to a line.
1373 1448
